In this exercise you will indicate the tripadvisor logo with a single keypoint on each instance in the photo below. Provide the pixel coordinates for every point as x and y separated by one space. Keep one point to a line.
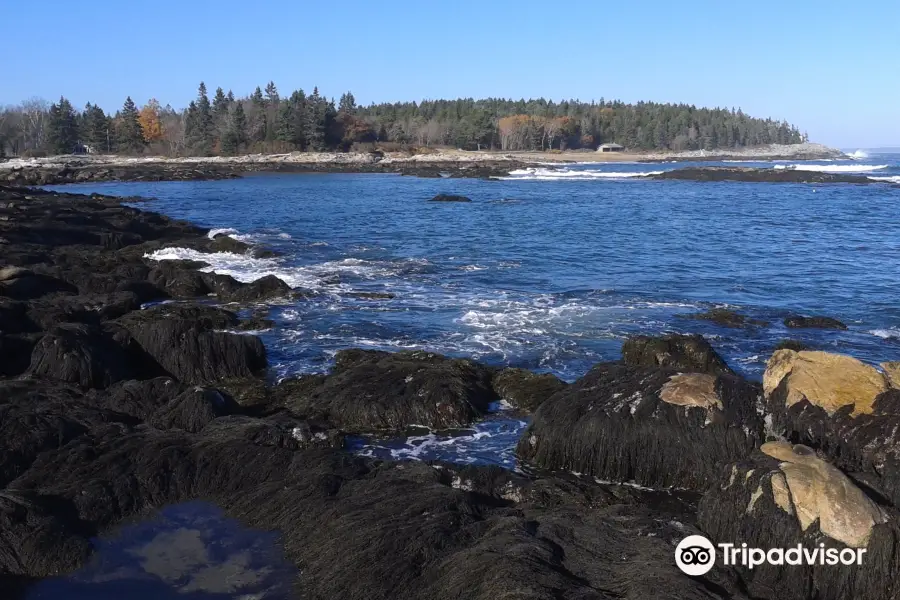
695 555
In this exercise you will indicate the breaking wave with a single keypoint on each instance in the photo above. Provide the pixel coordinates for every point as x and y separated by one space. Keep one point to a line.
833 168
890 179
858 155
327 275
542 174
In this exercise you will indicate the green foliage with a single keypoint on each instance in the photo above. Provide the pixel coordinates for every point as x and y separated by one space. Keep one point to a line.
129 137
199 134
62 128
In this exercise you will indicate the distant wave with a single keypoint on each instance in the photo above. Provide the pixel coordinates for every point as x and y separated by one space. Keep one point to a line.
894 179
541 174
834 168
858 155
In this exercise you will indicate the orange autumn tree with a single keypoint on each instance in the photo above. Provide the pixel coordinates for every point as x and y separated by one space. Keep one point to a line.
150 123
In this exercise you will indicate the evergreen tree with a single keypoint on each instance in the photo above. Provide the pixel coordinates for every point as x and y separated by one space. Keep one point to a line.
347 104
285 130
230 97
257 98
199 138
313 129
220 105
62 128
129 137
236 136
96 129
272 96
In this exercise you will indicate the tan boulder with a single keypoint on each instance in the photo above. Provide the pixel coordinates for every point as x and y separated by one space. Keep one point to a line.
827 380
9 273
691 389
892 372
817 491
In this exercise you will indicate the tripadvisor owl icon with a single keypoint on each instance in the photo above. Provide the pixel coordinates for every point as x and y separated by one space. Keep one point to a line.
695 555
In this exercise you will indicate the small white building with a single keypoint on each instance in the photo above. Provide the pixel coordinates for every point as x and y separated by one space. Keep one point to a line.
611 148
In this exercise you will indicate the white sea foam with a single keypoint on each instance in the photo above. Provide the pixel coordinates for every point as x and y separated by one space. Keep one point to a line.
833 168
888 334
889 179
246 268
858 155
542 174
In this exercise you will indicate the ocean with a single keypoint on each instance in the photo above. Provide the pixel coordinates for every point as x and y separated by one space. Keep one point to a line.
551 268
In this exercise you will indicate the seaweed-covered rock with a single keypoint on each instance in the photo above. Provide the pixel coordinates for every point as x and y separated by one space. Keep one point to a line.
801 322
785 495
657 427
795 345
402 529
193 410
264 288
81 355
185 342
727 318
842 407
674 351
373 390
524 389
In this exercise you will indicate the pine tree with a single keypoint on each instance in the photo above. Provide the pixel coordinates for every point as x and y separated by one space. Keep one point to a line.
236 136
129 136
62 128
220 105
284 123
272 96
347 104
200 137
314 122
96 130
257 98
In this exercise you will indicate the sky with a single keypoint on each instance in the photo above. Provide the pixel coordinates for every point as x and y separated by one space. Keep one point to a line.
829 67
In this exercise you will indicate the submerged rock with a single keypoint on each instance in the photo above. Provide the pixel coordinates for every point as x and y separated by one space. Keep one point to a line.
801 322
675 351
727 318
795 345
749 174
372 390
657 427
785 495
450 198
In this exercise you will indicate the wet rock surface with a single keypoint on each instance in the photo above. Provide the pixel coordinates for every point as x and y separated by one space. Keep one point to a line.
801 322
750 174
785 495
654 426
111 411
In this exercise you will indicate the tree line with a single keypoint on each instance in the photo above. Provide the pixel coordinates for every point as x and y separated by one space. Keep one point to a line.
265 121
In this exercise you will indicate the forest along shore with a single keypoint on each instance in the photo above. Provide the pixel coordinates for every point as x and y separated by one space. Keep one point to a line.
111 408
430 163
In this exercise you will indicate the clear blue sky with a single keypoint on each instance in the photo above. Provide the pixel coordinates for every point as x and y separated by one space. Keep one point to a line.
830 67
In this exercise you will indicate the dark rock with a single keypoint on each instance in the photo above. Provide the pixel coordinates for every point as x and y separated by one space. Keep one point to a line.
57 309
759 175
524 389
795 345
14 317
15 353
800 322
674 351
177 282
759 501
185 342
38 416
371 390
371 295
33 285
138 399
727 318
193 410
224 243
255 324
265 288
80 355
450 198
401 529
653 426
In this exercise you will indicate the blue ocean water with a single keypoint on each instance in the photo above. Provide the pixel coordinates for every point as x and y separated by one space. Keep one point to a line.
551 268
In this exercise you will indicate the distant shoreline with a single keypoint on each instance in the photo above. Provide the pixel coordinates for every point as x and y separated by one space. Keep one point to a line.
428 163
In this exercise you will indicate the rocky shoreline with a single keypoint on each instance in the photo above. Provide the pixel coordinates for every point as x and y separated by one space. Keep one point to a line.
127 385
